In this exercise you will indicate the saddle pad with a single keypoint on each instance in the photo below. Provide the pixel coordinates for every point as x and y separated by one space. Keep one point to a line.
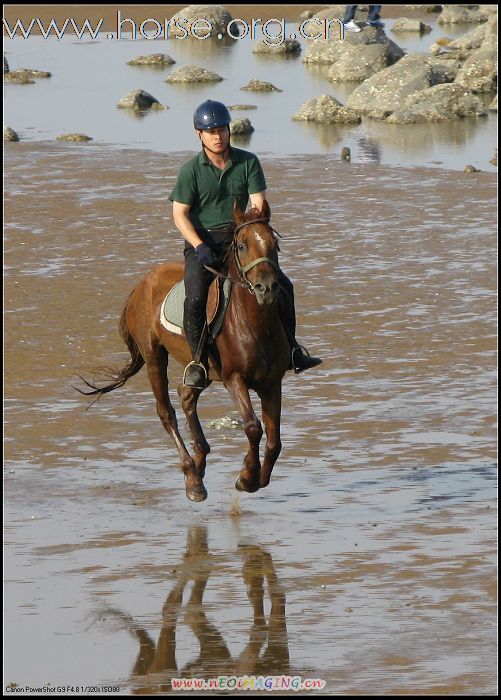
172 308
171 311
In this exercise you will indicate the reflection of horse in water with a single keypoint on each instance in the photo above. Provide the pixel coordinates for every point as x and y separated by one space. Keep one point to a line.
266 651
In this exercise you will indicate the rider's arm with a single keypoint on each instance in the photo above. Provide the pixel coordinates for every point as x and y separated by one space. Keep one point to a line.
257 199
183 223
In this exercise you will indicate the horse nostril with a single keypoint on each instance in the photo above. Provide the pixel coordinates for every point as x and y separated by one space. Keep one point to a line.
275 287
259 287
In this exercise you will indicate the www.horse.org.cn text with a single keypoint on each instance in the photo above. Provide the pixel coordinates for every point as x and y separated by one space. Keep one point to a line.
273 31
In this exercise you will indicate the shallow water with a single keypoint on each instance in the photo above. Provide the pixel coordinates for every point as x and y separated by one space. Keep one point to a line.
369 561
90 76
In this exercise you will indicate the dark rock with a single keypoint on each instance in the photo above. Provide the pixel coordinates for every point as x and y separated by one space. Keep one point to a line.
154 59
326 109
9 134
260 86
193 74
139 100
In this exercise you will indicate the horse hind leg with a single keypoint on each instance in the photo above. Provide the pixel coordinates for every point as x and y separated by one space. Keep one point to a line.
189 399
156 365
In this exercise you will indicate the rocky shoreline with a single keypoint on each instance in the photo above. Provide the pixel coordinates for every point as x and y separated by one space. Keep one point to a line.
452 81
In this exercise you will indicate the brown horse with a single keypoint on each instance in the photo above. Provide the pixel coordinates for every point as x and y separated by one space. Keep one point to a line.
253 352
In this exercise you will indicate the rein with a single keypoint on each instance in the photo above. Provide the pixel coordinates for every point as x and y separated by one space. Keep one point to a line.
244 269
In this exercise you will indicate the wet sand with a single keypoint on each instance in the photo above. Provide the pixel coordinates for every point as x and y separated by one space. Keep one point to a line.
370 560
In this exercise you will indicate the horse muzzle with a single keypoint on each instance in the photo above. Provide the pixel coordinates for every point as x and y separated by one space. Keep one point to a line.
266 292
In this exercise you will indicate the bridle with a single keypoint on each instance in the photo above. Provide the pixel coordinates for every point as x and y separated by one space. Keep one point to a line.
244 269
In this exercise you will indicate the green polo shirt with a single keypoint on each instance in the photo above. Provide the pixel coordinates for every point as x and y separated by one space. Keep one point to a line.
210 192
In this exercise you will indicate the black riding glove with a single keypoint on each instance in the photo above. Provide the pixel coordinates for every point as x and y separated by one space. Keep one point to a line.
205 255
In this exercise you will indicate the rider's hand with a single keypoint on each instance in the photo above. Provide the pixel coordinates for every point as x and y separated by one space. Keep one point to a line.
205 255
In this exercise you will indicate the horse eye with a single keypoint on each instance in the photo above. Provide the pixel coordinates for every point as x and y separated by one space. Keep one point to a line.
242 247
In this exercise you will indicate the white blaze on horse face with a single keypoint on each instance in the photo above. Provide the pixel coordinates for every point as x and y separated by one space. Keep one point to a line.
258 236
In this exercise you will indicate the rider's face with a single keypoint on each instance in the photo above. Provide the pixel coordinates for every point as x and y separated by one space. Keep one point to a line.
216 140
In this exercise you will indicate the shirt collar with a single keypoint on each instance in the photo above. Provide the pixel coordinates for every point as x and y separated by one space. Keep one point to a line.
203 160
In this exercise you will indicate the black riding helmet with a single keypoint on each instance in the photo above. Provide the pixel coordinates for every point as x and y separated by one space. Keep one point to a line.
210 115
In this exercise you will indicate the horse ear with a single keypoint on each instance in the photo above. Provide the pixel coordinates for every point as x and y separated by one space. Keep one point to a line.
238 216
265 210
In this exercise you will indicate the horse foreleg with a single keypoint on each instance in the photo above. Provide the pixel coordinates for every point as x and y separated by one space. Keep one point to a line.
156 364
189 399
271 404
248 479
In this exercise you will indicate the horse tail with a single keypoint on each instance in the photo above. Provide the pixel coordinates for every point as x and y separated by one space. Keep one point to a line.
118 377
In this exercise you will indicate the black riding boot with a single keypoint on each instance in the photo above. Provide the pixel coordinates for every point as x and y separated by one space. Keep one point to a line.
197 282
300 357
195 330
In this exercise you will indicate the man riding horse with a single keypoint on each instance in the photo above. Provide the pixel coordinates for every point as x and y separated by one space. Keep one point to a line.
203 198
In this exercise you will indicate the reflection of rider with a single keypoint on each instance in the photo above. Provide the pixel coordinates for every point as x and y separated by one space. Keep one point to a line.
370 149
203 200
215 658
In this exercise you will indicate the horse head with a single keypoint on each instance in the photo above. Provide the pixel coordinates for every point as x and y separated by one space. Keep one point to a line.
256 253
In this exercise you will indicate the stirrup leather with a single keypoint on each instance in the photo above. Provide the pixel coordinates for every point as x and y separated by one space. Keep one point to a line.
196 364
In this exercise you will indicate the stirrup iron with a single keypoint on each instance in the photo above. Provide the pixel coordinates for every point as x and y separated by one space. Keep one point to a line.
305 352
197 364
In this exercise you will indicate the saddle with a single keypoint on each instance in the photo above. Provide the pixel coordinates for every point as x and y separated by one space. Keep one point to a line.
172 308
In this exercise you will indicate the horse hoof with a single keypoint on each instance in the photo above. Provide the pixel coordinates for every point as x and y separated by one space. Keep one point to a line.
196 493
244 485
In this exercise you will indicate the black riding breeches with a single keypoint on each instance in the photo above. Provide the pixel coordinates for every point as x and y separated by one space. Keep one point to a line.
197 280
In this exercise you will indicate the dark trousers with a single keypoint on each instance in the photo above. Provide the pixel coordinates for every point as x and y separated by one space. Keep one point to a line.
197 281
373 12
